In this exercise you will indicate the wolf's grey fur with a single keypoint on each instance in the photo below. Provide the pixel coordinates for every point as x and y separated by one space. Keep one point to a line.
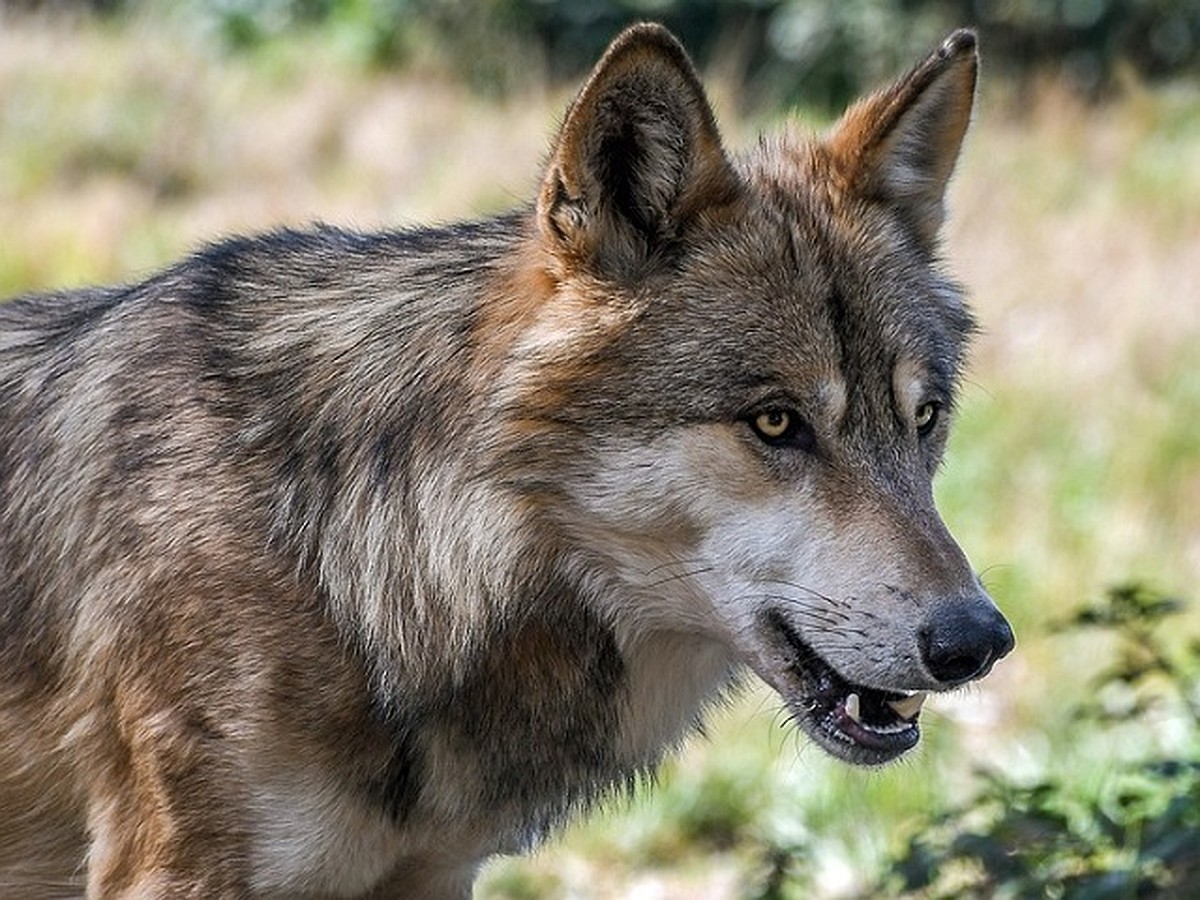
332 563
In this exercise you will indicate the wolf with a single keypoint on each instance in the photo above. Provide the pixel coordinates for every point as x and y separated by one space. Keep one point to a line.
333 563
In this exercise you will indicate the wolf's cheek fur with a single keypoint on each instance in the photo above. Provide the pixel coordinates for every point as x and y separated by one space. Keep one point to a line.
695 525
709 541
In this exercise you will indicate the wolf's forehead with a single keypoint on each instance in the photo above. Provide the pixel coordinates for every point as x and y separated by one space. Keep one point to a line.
848 273
791 277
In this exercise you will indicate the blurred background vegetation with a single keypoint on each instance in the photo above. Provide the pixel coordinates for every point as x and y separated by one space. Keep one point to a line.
131 130
775 49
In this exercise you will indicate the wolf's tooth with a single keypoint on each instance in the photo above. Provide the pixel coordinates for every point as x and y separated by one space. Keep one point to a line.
852 707
908 707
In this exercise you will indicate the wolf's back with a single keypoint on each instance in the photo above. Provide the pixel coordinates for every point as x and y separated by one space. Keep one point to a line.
240 392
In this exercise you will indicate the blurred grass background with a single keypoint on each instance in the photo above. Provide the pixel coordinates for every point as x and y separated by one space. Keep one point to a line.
130 132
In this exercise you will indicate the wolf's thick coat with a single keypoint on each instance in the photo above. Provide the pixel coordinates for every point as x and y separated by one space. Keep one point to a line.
332 563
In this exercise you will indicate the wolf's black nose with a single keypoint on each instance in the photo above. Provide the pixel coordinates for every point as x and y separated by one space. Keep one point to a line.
963 640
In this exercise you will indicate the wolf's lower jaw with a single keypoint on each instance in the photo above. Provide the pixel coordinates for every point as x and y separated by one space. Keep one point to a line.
854 723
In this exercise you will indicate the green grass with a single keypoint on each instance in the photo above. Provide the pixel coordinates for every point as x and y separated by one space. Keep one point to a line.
1075 464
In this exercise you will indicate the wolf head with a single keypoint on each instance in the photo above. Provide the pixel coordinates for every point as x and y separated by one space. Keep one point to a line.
735 377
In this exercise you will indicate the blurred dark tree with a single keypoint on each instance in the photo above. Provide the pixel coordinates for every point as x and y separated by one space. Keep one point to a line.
834 49
818 51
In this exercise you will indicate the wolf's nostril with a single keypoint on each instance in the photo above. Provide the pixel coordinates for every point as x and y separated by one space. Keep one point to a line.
964 640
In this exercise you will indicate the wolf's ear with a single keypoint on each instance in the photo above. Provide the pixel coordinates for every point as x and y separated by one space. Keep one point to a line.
899 145
638 157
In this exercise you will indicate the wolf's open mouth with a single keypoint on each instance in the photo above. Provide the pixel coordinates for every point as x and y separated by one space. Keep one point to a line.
855 723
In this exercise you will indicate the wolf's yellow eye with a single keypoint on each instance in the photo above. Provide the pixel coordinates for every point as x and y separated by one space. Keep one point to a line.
774 423
926 417
778 426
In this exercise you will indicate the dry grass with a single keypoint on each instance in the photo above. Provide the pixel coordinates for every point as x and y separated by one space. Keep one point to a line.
127 149
1076 464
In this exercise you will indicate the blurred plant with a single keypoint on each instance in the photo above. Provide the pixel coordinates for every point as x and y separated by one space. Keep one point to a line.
1138 837
374 29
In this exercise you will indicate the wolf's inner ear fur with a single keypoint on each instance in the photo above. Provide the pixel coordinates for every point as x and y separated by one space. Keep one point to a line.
900 145
638 156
